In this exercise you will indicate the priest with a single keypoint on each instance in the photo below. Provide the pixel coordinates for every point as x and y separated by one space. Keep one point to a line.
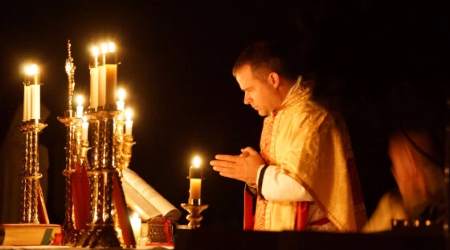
304 177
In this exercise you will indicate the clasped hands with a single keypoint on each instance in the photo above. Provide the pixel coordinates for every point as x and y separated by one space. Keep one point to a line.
243 167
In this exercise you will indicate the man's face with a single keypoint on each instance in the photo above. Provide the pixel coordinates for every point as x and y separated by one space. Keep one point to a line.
260 94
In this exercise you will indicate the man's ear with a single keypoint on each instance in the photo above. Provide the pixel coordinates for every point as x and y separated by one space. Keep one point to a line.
274 79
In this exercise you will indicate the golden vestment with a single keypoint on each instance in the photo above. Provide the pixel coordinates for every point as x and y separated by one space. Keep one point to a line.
307 143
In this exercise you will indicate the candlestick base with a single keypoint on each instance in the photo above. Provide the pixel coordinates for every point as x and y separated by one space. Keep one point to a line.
194 211
99 236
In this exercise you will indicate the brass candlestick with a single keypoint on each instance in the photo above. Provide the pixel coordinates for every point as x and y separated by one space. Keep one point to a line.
72 149
101 232
194 208
32 197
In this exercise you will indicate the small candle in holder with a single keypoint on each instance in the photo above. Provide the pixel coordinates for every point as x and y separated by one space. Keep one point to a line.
195 179
121 95
128 121
79 100
84 129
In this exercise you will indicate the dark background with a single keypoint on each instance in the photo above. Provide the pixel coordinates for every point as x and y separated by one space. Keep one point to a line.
379 64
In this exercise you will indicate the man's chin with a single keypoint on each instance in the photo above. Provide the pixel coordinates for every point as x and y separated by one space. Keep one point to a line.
262 113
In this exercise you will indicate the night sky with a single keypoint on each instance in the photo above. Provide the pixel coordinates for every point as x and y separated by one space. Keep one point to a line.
380 65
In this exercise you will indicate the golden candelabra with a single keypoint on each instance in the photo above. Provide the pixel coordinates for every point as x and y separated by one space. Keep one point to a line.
33 208
110 153
101 232
72 148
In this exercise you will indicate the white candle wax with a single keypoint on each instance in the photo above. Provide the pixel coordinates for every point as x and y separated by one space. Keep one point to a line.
120 104
128 127
195 186
84 130
35 101
102 86
93 102
26 100
79 112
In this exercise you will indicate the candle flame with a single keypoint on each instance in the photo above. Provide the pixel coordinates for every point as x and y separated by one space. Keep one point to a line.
79 100
95 51
104 48
31 69
111 47
121 94
196 161
129 114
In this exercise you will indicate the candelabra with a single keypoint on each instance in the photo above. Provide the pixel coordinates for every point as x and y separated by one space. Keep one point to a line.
110 153
96 152
72 147
33 208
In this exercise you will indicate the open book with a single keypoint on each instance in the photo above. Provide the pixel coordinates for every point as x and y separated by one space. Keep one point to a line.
145 200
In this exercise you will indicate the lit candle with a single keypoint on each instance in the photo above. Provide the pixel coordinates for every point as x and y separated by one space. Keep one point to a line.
121 95
136 224
128 121
84 129
94 74
26 102
110 76
31 73
79 100
107 76
34 100
195 179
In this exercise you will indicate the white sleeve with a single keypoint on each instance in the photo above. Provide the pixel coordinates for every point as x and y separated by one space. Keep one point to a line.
277 186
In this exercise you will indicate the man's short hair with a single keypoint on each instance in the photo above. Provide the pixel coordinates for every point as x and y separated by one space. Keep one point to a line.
264 57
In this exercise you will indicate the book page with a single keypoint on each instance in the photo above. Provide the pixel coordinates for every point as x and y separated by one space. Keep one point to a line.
144 199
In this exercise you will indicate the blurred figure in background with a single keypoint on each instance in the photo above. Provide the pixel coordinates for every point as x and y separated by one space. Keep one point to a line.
420 181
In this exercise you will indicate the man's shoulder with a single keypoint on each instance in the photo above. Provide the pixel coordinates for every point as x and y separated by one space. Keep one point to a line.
307 111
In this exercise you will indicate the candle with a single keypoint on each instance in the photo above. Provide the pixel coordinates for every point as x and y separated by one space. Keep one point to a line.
102 76
101 85
33 95
110 83
84 129
195 179
107 76
136 224
35 101
195 187
94 79
79 100
121 95
95 52
128 121
26 102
